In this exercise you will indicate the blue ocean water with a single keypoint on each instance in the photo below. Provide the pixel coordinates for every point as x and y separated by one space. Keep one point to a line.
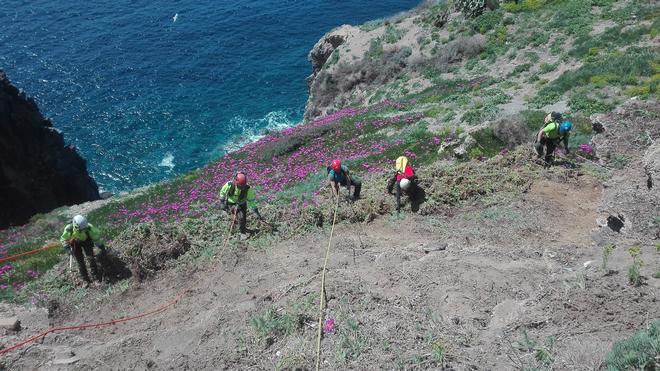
150 89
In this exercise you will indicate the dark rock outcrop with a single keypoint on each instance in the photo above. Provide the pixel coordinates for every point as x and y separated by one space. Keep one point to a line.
37 171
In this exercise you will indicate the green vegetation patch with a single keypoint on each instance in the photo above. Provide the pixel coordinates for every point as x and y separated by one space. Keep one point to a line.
639 352
634 62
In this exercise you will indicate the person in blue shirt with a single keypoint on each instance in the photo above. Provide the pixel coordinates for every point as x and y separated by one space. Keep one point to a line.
339 175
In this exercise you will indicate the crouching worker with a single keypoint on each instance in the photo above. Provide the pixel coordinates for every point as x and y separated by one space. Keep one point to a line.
80 237
338 174
551 135
237 195
404 180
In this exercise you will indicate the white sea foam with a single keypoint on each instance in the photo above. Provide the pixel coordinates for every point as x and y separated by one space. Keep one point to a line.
176 16
167 161
253 130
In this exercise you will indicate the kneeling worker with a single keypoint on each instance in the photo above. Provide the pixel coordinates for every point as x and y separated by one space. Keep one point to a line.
338 174
404 180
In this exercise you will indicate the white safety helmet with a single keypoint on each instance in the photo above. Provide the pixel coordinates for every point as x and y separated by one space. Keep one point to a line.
79 222
404 184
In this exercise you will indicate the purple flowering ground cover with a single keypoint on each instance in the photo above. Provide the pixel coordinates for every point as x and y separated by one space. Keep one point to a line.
351 134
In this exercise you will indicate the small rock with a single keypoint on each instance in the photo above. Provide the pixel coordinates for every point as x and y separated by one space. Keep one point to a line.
66 361
11 323
587 263
441 247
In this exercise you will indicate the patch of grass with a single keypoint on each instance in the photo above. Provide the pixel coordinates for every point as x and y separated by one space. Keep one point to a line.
634 62
538 38
619 161
352 341
542 352
607 251
580 102
334 58
487 142
278 322
573 17
639 352
515 6
439 351
547 67
375 49
371 25
392 34
520 69
634 276
610 39
487 21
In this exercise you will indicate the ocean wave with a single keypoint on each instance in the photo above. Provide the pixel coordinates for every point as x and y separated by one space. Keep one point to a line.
167 161
252 130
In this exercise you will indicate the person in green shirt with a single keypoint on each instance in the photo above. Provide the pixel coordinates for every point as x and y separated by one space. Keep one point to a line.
79 237
238 196
551 135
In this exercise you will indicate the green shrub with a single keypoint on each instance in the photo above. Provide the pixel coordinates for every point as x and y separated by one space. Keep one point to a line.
371 25
392 34
488 142
375 49
520 69
546 67
538 38
580 102
487 21
515 6
574 17
639 352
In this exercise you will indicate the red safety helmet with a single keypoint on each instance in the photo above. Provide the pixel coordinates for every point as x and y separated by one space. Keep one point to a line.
336 166
241 179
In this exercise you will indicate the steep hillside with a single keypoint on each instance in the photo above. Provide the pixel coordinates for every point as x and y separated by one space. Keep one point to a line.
505 264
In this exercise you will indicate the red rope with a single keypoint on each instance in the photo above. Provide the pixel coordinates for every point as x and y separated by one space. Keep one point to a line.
84 326
93 325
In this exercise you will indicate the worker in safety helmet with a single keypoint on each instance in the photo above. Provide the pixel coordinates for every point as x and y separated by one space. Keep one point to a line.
555 131
80 237
403 180
339 175
237 195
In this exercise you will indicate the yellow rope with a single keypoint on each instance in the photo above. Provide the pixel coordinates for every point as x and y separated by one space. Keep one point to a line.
322 301
231 227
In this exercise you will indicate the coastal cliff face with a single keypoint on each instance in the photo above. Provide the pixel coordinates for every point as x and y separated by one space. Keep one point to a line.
358 66
38 172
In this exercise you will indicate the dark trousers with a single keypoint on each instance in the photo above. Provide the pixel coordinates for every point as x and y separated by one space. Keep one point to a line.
77 249
241 215
550 146
393 185
357 186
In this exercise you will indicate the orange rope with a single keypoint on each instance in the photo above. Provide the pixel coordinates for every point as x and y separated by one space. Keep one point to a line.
15 256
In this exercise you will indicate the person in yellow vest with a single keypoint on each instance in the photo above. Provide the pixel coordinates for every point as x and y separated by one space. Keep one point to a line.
238 194
551 135
80 237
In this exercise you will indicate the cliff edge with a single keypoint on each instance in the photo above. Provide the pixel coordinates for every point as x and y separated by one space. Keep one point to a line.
37 171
